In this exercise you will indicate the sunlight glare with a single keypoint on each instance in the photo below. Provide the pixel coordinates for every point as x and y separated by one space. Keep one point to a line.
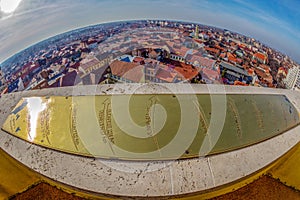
9 6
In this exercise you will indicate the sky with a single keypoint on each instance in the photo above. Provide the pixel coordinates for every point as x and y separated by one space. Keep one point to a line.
273 22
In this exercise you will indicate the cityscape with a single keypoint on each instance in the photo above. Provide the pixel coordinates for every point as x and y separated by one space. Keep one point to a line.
216 142
144 51
150 99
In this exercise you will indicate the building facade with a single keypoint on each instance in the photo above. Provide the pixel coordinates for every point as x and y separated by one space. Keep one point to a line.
297 85
292 77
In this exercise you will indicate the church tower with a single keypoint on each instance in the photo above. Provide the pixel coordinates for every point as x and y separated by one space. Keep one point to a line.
196 35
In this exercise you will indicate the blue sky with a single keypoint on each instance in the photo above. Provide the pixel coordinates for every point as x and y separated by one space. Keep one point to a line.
275 23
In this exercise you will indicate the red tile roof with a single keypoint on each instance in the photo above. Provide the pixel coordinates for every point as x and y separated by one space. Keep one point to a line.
193 58
265 67
239 60
152 54
264 76
240 83
241 45
165 75
220 48
135 74
198 41
70 79
260 56
231 57
181 51
187 73
251 71
282 70
138 59
211 74
222 55
206 62
119 68
213 50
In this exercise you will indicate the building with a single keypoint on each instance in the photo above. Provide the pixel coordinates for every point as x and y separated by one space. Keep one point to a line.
71 78
297 85
156 72
292 77
196 36
16 85
232 73
150 70
97 76
87 66
210 76
260 58
127 72
165 76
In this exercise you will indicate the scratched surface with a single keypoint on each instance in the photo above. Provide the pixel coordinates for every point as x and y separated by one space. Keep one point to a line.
150 127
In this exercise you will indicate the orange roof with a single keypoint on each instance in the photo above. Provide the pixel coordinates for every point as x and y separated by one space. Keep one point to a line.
251 71
198 41
216 51
165 75
241 45
135 74
181 51
150 60
211 74
232 43
193 58
264 76
232 59
138 59
260 56
282 70
4 91
238 60
206 62
265 67
222 55
119 68
220 48
268 78
152 54
187 73
240 83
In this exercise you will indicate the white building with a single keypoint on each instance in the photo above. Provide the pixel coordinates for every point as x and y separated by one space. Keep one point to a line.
291 78
297 85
